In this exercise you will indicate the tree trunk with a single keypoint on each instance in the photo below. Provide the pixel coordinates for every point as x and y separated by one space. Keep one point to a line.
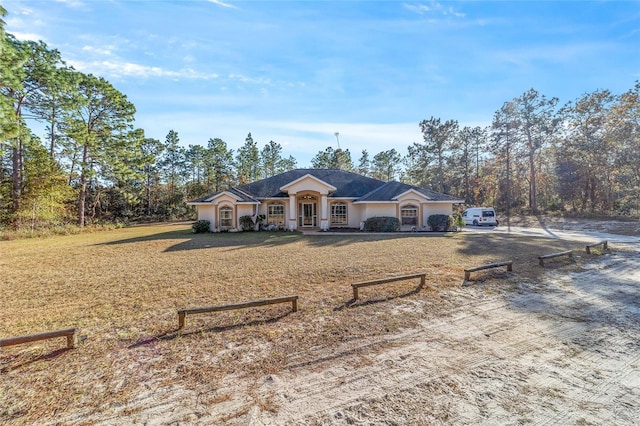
83 187
16 189
52 135
533 199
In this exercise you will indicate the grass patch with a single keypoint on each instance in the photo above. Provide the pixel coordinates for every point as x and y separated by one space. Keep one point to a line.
123 288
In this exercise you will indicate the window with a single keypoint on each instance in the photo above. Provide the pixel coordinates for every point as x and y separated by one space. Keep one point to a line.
226 217
339 214
275 214
409 215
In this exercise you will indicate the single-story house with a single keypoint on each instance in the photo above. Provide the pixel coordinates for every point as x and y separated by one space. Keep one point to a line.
322 199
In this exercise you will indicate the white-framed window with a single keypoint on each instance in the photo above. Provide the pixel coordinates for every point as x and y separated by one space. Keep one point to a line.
409 215
226 217
275 214
339 214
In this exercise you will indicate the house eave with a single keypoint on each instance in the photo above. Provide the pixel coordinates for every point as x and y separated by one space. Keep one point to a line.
285 188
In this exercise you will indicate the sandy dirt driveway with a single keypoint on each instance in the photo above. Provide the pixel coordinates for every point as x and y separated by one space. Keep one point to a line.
564 350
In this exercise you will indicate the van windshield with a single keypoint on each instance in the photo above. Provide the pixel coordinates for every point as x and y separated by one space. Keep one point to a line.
487 213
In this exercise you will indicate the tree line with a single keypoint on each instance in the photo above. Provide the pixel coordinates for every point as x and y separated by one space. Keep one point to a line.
582 157
93 165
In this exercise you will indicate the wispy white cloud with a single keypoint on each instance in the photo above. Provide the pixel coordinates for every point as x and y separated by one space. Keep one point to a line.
434 8
119 69
374 137
97 50
76 4
28 36
22 21
245 79
223 4
558 53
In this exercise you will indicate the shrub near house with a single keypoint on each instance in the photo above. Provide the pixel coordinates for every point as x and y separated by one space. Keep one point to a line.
440 222
322 199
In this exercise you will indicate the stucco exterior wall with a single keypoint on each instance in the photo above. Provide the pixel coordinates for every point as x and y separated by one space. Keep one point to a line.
245 210
432 208
355 215
208 213
373 210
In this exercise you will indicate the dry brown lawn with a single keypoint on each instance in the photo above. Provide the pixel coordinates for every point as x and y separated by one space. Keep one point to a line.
122 289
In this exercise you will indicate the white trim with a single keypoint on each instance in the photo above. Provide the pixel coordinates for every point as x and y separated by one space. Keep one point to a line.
219 194
285 188
211 203
415 192
376 202
422 202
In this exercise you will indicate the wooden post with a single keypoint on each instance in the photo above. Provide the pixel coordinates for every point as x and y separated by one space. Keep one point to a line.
355 286
69 333
183 312
72 341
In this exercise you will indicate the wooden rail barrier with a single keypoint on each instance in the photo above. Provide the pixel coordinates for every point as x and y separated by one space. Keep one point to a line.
468 271
70 333
356 286
183 312
605 245
552 255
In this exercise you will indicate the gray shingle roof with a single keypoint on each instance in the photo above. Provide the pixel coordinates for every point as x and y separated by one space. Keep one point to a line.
391 190
347 184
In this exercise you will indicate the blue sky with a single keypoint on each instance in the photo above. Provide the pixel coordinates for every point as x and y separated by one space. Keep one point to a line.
297 72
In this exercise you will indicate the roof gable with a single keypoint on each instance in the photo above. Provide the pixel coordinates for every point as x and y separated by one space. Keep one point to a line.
412 191
308 182
393 190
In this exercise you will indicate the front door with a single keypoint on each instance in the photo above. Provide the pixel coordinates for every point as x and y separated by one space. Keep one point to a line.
307 214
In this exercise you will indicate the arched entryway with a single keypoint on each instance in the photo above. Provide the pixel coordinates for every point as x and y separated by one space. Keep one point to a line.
307 211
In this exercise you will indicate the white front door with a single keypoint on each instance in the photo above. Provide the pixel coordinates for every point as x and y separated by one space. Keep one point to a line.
307 217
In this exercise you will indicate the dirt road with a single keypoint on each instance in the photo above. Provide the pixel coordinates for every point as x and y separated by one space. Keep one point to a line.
565 350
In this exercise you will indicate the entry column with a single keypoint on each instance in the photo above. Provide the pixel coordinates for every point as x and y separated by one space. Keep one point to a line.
324 213
292 212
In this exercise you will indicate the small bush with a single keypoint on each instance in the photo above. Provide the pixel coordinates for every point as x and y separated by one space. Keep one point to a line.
247 223
459 221
440 222
200 226
382 224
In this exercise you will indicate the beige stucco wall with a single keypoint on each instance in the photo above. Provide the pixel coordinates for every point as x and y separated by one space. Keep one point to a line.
373 210
245 210
433 208
208 213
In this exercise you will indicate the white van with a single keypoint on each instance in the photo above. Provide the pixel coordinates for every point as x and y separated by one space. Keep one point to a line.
478 216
